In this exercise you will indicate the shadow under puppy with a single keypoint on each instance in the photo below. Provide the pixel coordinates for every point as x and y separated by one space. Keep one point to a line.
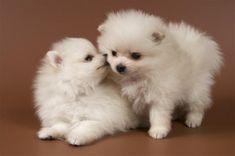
73 100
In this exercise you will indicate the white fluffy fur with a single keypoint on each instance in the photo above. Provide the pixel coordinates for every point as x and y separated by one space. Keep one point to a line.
175 70
72 99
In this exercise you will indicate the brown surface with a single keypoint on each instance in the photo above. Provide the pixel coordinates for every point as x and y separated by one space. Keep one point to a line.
28 27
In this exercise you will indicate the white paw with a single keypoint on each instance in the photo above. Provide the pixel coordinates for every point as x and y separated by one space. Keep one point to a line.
73 140
77 140
193 123
158 132
194 120
80 137
45 133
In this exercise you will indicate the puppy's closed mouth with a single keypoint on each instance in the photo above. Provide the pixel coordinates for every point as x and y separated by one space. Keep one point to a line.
104 65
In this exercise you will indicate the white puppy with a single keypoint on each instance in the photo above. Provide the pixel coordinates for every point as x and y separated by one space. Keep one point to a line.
160 66
72 99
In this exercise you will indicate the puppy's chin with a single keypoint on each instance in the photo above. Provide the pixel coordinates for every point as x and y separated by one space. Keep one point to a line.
100 73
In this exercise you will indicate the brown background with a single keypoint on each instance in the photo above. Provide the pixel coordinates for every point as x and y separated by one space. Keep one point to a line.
27 29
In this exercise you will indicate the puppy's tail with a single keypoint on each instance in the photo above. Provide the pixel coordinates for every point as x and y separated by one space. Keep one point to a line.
201 47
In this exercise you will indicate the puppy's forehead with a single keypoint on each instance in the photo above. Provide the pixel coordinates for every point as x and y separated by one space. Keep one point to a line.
83 50
75 46
129 44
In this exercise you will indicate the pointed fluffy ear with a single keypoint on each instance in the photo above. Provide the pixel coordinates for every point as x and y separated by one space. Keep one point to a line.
158 36
54 59
101 28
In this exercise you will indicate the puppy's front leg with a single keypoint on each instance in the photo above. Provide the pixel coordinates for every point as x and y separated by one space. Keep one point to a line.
160 120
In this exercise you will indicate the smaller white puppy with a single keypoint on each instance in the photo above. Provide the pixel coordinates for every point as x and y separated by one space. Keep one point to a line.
160 66
73 101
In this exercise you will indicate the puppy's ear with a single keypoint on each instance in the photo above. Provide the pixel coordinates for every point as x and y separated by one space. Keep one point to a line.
54 58
101 28
158 37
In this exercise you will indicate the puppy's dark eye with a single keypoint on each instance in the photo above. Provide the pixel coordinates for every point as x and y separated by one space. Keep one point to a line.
114 53
135 56
89 58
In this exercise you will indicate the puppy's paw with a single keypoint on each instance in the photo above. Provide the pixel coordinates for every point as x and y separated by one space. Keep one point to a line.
158 132
77 140
57 131
194 120
45 134
193 123
80 136
73 140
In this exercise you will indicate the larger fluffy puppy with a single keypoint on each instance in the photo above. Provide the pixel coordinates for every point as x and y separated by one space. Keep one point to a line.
160 66
72 99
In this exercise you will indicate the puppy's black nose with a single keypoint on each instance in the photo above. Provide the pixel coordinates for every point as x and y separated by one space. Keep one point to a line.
121 68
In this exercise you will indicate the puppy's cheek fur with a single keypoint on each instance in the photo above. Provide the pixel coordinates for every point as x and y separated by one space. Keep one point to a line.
112 63
113 67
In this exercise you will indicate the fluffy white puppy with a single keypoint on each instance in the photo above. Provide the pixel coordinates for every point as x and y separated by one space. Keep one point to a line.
160 66
72 99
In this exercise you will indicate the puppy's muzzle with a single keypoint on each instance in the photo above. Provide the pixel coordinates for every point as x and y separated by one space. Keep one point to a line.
121 68
106 62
